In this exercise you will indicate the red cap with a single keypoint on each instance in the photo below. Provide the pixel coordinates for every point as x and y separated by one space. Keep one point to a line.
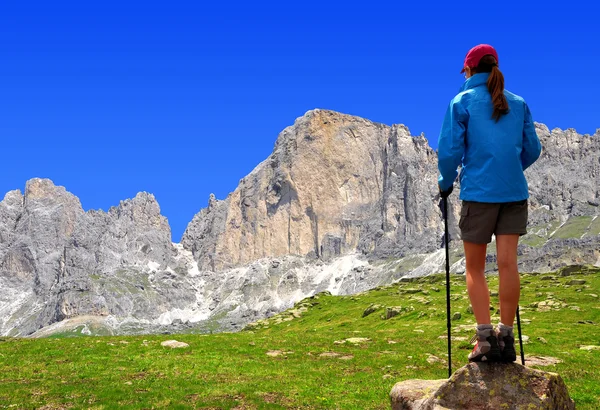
477 53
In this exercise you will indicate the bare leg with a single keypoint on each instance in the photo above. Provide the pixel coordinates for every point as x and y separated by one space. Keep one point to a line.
510 283
476 284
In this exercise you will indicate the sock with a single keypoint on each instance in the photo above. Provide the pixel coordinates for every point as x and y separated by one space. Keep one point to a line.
505 330
483 331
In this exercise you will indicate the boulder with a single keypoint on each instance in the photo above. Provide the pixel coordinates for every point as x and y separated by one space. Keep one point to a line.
174 344
485 386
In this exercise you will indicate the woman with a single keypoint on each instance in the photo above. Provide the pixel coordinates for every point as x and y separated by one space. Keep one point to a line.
490 133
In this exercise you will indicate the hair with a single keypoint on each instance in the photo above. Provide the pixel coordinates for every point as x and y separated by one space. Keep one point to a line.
495 84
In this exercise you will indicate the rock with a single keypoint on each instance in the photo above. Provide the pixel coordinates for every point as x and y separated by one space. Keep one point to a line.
586 322
576 282
338 184
393 311
387 376
542 340
470 309
353 340
371 309
493 293
411 394
456 316
454 338
275 353
346 357
593 295
329 354
434 359
590 347
485 386
174 344
541 361
409 291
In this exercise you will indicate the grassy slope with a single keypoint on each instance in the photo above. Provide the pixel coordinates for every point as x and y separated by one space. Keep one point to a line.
232 370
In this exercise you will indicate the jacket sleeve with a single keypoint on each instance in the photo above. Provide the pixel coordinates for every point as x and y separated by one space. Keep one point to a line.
532 148
451 143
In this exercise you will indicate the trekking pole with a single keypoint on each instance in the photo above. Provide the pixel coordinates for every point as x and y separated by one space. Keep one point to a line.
445 202
520 337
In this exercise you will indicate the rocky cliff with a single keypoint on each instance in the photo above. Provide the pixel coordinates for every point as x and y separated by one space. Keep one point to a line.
334 184
342 204
337 184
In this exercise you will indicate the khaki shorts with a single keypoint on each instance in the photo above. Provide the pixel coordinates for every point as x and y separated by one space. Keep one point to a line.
479 220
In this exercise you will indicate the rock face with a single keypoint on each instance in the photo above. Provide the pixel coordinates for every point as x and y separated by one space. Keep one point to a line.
485 386
341 205
58 262
337 184
334 184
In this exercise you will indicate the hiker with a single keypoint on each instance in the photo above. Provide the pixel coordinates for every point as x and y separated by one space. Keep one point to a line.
489 132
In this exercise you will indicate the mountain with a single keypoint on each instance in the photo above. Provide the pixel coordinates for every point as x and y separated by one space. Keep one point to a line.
342 204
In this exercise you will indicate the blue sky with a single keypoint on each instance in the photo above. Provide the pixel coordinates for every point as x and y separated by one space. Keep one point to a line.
183 99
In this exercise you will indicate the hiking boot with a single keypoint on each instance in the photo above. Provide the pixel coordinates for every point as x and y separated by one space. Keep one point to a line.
486 349
506 343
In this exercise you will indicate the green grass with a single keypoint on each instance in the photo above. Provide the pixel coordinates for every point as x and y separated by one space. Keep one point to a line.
575 227
233 370
594 228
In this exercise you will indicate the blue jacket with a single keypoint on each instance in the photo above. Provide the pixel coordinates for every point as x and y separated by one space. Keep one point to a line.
493 155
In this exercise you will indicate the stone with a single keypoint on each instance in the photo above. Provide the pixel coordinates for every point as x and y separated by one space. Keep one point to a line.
456 316
431 359
393 311
174 344
486 387
542 340
541 361
410 291
590 347
329 354
371 309
353 340
411 394
576 282
454 338
275 353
